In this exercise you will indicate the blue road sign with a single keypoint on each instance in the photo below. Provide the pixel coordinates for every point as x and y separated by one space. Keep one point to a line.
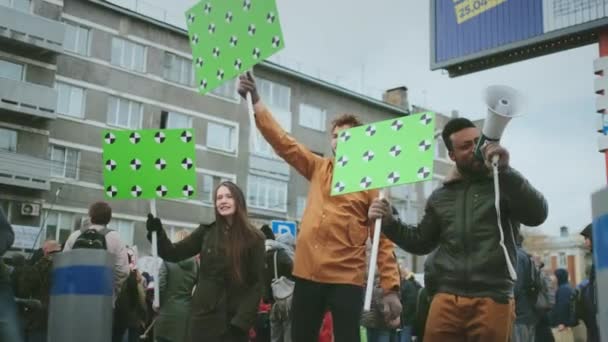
282 227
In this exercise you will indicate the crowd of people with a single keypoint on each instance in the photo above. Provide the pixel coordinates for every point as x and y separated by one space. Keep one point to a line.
228 281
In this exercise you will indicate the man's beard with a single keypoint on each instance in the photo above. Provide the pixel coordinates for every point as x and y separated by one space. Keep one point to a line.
474 167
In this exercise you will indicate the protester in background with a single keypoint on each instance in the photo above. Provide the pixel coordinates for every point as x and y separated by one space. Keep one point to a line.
34 283
588 297
279 253
100 214
377 328
409 296
231 273
267 231
176 281
526 317
130 312
562 315
330 264
474 298
543 327
9 325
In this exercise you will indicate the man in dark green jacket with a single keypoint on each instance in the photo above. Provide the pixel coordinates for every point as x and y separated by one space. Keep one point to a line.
469 268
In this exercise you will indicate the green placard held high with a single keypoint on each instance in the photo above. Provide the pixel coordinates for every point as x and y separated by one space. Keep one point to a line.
147 164
385 154
230 36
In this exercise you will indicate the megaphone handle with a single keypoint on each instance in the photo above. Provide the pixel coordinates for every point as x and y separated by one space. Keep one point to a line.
510 268
495 159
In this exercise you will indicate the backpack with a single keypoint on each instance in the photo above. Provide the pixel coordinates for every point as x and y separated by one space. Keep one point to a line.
92 239
282 292
538 290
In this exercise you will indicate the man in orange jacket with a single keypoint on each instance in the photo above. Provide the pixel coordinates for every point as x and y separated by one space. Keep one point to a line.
330 259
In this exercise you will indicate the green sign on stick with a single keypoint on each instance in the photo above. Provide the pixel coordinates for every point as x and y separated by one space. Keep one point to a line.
384 154
229 37
150 163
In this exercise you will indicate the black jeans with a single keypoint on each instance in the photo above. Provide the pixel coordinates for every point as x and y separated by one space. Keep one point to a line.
311 300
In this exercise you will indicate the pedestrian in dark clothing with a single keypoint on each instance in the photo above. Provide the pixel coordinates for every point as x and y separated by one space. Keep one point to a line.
588 298
526 317
562 315
268 234
409 297
231 272
9 326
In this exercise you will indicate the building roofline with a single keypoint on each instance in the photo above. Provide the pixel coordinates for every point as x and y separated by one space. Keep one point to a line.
266 64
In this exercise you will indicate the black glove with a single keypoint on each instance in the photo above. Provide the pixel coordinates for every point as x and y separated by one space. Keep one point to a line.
153 224
247 85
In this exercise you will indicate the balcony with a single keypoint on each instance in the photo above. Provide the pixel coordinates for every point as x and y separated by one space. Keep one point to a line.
28 98
24 171
30 31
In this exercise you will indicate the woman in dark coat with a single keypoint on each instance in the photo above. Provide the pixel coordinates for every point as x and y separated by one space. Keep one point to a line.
231 273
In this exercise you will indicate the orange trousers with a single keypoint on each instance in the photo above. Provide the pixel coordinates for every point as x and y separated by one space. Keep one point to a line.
453 318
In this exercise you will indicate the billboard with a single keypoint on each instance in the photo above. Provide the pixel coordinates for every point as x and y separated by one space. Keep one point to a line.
473 35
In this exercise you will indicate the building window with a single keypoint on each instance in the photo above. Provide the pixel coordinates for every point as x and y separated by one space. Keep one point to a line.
124 113
312 117
59 225
64 161
175 120
277 97
221 137
439 147
128 55
125 228
209 184
227 90
408 211
178 69
267 193
207 189
10 70
562 262
8 140
76 38
20 5
300 206
71 100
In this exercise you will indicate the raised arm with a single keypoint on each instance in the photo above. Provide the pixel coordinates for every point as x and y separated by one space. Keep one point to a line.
294 153
187 248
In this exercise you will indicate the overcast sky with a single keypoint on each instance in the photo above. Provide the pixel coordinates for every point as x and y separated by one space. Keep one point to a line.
381 44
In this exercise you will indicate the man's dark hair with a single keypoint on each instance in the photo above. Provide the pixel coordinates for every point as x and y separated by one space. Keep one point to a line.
100 213
453 126
267 231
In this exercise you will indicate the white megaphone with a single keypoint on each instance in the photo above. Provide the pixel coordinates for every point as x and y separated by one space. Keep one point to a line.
504 103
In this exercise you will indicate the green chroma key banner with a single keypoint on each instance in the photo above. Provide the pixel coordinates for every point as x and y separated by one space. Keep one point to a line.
383 154
150 163
229 37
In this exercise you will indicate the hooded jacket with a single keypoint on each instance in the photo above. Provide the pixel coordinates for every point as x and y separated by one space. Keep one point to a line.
460 224
562 312
284 247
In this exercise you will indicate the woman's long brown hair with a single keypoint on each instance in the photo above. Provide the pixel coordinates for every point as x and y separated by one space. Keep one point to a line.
241 234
